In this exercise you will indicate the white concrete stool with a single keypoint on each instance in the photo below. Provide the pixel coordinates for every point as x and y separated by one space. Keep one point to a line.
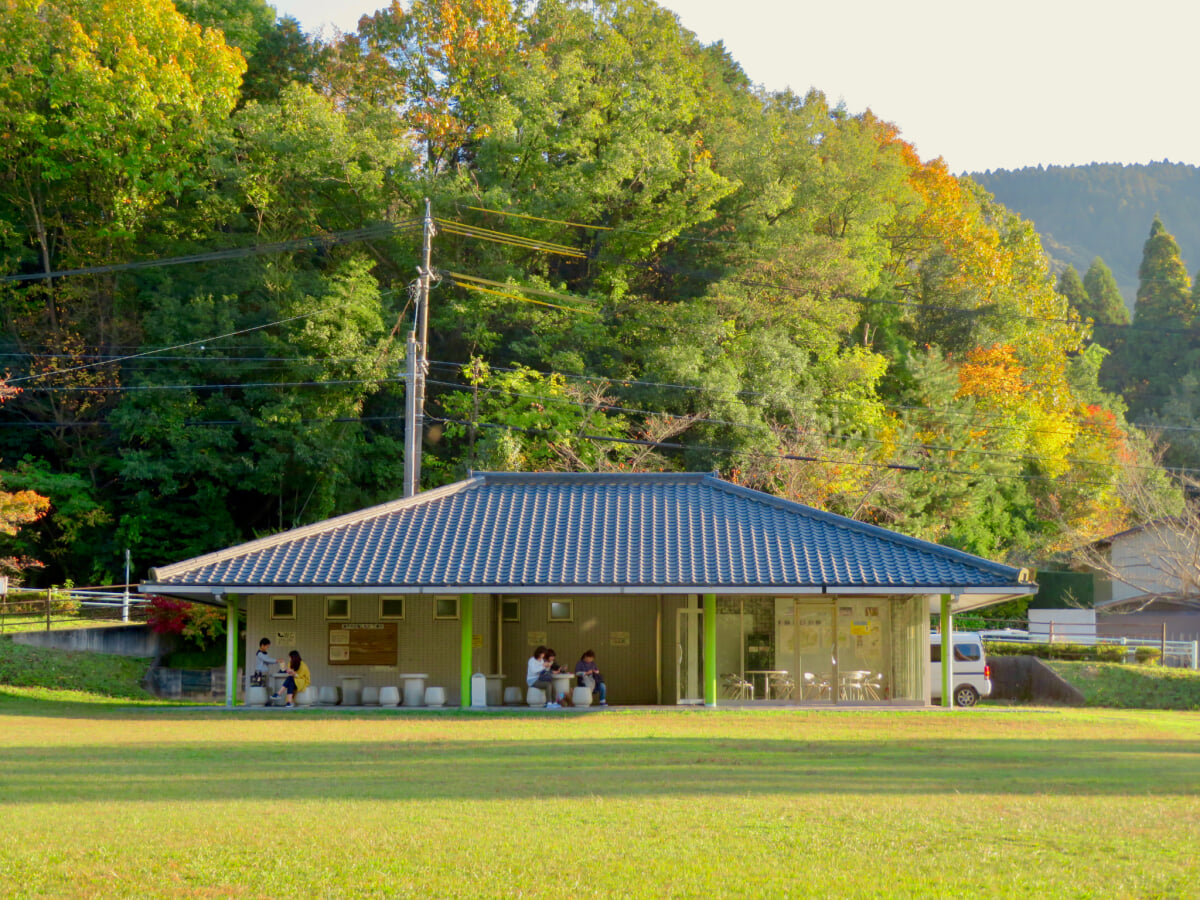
512 696
582 696
328 695
535 697
370 696
435 696
389 696
256 696
306 697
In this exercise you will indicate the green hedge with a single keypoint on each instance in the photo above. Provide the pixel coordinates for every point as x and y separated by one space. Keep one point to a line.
1078 652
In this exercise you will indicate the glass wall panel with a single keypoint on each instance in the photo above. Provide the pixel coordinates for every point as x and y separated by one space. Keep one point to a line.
910 625
814 652
864 652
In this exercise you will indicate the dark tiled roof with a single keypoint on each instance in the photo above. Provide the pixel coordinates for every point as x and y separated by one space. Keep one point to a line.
587 533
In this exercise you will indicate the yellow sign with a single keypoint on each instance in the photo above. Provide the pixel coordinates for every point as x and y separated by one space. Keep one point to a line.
477 641
536 638
618 638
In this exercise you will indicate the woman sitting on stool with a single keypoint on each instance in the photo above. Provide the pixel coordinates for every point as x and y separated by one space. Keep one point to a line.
587 675
298 678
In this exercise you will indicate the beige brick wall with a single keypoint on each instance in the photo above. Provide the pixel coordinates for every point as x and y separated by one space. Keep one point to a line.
425 644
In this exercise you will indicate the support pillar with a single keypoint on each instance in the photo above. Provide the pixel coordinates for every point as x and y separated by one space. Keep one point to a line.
947 623
710 649
466 616
231 639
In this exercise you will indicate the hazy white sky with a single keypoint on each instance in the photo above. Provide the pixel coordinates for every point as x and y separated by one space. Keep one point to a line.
986 86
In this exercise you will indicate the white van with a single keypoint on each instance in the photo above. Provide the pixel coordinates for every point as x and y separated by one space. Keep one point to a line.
972 674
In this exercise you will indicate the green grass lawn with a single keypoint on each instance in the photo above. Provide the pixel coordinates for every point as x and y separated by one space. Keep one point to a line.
1132 686
102 801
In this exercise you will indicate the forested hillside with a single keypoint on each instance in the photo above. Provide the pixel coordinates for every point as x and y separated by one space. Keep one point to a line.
641 262
1104 210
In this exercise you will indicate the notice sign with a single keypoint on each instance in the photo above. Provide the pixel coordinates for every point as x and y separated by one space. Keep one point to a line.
535 638
351 644
618 638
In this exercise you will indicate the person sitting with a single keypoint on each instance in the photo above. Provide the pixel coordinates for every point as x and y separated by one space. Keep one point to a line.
298 678
263 661
537 674
555 668
587 675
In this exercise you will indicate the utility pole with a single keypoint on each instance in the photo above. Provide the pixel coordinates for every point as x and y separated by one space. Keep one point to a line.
417 366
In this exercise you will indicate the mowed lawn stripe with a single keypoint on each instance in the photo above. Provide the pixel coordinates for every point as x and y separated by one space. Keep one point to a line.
994 803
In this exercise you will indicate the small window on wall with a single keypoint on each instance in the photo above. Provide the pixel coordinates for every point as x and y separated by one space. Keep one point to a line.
337 607
511 610
391 607
445 608
561 611
283 607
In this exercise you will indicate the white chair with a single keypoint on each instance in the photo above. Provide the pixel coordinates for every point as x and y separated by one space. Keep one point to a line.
535 697
435 696
389 696
307 697
736 687
582 696
814 688
328 695
370 696
781 686
512 696
256 696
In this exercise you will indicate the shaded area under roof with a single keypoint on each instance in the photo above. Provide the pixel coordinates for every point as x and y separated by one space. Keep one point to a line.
578 533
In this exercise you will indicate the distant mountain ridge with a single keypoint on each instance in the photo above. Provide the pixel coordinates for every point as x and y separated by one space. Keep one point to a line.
1104 209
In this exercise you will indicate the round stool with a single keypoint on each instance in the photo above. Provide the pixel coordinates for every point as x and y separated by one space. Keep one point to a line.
306 697
535 697
328 696
512 696
256 696
370 696
389 696
582 696
435 696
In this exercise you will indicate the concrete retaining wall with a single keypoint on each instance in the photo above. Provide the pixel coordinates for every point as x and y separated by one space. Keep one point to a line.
117 640
1026 679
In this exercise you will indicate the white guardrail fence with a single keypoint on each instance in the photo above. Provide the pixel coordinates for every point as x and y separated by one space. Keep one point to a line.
1182 654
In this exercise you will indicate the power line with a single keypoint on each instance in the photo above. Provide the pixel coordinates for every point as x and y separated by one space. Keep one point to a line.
305 243
206 340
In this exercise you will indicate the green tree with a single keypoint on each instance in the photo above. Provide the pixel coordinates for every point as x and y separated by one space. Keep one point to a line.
1070 285
1164 297
1106 303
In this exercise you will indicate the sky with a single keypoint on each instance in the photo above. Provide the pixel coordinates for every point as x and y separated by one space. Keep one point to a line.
984 86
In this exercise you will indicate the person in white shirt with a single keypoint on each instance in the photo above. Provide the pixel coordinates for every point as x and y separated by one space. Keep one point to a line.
537 674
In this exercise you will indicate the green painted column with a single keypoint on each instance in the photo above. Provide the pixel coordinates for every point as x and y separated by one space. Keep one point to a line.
947 623
710 649
466 615
231 638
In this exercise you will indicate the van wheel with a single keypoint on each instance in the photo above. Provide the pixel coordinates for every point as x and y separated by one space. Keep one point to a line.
965 695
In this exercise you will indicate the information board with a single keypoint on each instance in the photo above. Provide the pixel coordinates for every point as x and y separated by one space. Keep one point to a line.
352 644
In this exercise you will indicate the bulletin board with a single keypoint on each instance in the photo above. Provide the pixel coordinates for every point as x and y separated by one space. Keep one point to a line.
352 644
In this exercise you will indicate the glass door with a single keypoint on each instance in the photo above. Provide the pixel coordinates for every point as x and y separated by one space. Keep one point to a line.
864 661
689 657
813 660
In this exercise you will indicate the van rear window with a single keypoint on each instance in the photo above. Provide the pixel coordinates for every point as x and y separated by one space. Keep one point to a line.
962 653
966 652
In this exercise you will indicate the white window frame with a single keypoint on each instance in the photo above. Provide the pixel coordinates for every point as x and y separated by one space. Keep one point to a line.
276 597
437 601
570 617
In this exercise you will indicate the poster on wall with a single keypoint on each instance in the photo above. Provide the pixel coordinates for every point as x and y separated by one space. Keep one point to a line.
368 644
